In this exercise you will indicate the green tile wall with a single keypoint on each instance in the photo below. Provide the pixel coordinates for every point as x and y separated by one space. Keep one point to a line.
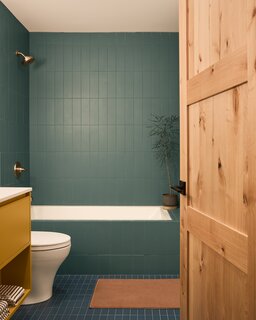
111 247
91 98
14 99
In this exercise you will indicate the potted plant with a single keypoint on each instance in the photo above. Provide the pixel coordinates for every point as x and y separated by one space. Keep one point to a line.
165 130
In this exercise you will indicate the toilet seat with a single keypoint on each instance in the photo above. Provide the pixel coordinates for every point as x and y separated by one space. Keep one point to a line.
43 241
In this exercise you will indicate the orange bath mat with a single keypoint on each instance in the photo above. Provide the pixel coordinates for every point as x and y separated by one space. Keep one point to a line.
136 293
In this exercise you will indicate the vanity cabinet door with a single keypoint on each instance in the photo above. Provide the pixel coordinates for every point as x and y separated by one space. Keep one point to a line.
14 228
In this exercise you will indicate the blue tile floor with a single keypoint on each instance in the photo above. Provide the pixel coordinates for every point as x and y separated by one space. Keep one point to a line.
71 299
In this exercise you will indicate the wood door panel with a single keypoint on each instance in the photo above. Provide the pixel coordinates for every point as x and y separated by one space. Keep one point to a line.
214 35
230 158
227 242
218 299
217 181
216 28
233 25
218 159
218 78
200 135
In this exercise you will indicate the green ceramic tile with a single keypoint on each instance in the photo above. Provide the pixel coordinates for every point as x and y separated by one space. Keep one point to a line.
120 57
111 112
82 86
67 137
112 139
111 247
103 85
50 84
76 115
94 112
94 85
138 264
76 84
120 111
49 112
120 84
85 139
103 140
67 83
103 112
85 84
103 58
162 237
68 112
111 59
129 83
67 52
129 138
161 264
121 264
76 57
94 58
129 111
77 140
111 84
85 112
120 141
82 265
94 138
85 57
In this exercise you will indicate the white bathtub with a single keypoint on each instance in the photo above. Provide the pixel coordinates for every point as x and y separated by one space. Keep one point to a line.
123 213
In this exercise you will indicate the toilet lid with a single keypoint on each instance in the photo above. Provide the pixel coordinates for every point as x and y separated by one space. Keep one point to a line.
42 240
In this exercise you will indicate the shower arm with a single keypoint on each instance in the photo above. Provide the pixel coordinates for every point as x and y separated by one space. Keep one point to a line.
18 53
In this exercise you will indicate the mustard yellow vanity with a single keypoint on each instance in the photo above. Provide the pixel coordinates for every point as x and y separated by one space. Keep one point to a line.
15 230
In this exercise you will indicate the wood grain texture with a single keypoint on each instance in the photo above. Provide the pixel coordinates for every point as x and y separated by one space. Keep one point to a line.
225 241
216 28
200 130
251 147
218 78
214 25
232 26
190 35
218 217
217 159
216 291
183 158
230 177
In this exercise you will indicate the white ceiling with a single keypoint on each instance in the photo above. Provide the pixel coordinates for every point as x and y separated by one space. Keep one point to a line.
96 15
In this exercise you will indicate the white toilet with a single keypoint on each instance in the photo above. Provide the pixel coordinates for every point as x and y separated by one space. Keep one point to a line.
48 251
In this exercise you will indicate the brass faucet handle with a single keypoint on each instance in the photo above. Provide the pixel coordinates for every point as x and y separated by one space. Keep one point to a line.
18 169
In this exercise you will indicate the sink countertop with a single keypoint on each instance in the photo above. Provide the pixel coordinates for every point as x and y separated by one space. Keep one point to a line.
12 192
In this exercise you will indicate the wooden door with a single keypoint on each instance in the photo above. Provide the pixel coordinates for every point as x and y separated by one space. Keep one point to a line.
218 159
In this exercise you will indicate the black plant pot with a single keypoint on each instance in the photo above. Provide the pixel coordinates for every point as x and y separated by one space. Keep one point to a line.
170 200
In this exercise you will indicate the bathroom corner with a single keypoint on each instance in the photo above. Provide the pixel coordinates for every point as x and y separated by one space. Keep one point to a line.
14 106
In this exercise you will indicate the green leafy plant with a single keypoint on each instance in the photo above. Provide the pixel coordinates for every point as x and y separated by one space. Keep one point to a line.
165 130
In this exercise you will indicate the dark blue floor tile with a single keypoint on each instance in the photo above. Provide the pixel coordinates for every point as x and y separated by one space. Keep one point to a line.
71 299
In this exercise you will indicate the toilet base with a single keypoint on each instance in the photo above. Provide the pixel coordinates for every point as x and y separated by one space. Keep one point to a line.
45 265
34 300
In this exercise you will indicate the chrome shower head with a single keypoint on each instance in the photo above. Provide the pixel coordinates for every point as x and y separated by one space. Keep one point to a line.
26 59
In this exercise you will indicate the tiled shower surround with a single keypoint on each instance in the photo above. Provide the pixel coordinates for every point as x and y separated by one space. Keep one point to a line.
91 100
14 100
78 119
